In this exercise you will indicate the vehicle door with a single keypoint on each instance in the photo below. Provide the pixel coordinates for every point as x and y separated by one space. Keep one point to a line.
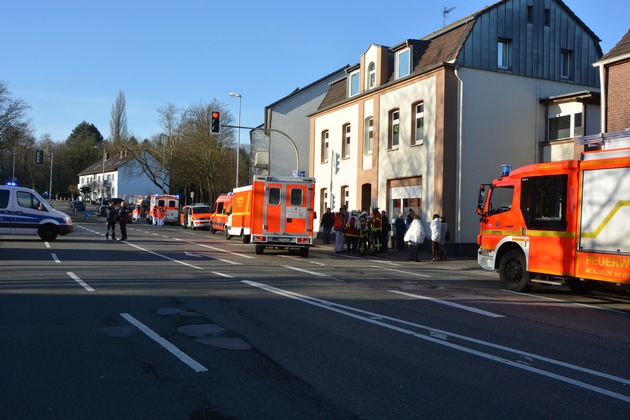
29 212
6 212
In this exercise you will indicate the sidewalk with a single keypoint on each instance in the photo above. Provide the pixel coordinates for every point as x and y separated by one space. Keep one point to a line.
453 263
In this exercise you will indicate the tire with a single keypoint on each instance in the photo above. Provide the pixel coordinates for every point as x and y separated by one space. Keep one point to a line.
304 252
512 271
259 249
247 239
47 233
579 286
227 233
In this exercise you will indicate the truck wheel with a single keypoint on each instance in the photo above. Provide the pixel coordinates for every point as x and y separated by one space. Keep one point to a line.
259 249
512 271
226 230
47 233
580 286
304 252
247 239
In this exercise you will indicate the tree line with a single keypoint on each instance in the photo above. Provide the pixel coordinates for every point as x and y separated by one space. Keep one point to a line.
184 153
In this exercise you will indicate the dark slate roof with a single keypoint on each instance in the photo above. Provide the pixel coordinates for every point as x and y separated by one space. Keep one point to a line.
622 49
111 164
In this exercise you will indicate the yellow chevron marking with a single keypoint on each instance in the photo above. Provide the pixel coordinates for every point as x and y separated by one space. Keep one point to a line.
602 225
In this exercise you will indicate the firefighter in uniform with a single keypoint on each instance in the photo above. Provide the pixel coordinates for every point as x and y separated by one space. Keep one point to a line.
352 232
364 233
377 228
340 222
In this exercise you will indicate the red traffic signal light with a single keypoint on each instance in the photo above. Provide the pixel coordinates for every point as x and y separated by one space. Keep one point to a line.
215 123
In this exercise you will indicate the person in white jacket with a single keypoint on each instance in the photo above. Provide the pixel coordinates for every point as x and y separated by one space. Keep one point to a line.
415 237
436 233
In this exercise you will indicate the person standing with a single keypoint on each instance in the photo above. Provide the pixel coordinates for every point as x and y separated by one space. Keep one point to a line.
123 215
436 227
415 236
111 215
400 228
443 238
340 222
328 221
387 227
352 231
377 230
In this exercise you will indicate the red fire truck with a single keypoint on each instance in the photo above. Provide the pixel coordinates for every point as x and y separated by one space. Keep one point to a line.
559 222
274 212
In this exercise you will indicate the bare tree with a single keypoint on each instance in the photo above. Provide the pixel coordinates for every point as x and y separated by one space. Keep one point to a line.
12 114
118 122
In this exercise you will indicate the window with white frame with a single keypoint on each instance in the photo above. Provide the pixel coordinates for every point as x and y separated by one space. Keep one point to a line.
565 126
394 129
325 147
503 54
371 75
368 142
403 63
418 129
354 83
346 141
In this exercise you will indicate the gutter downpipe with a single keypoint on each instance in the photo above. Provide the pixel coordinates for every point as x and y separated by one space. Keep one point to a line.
460 130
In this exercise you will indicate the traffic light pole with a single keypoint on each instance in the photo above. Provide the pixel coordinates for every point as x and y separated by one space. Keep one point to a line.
297 154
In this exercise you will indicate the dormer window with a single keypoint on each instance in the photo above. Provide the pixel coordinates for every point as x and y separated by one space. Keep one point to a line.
371 75
354 83
403 63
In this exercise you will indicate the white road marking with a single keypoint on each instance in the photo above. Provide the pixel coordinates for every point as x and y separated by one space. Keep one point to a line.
401 271
197 367
55 259
440 337
222 274
81 282
453 304
306 271
567 302
165 257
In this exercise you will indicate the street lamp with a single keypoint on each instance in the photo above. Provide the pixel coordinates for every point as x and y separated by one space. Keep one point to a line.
164 138
238 135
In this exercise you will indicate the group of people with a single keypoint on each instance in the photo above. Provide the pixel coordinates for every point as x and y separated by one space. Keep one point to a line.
115 215
158 215
357 232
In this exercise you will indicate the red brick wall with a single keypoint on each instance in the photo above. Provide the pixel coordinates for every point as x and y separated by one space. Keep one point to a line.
618 101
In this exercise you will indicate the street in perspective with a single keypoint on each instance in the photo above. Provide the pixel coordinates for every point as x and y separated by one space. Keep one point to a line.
181 323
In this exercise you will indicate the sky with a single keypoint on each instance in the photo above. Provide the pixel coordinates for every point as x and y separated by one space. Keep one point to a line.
69 59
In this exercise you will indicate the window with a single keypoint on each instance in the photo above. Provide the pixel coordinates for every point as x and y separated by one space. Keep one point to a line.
500 200
503 54
530 14
325 149
369 136
543 202
565 64
547 17
403 63
354 83
4 198
371 75
394 132
346 141
565 126
418 135
274 196
296 197
26 199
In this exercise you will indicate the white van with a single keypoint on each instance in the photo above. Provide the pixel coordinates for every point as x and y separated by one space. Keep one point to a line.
24 212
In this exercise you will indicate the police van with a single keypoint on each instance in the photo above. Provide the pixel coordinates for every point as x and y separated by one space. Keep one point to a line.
24 212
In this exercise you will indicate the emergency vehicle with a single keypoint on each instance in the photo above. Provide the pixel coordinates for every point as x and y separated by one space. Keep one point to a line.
140 209
559 222
195 216
170 203
24 212
274 212
219 213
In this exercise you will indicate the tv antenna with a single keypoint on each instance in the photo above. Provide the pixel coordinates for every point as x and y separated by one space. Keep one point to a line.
445 12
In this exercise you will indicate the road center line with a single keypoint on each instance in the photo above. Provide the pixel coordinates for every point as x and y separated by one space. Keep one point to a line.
81 282
197 367
453 304
438 337
55 259
306 271
164 256
401 271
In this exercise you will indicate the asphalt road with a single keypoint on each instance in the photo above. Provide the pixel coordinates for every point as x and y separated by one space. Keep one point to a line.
179 324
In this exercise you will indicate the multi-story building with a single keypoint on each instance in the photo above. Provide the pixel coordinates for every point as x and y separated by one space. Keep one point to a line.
421 124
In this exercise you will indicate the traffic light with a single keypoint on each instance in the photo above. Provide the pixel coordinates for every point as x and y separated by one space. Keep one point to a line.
336 163
39 157
215 123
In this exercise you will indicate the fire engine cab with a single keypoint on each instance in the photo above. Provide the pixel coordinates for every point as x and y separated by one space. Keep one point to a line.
559 222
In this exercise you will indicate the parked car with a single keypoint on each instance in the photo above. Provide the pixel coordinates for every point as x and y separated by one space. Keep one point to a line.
77 206
195 217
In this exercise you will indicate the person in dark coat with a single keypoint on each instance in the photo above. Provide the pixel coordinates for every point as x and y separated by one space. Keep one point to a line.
111 214
328 220
400 227
123 215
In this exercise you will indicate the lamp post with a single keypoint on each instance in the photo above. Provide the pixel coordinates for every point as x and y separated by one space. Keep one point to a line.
238 135
164 138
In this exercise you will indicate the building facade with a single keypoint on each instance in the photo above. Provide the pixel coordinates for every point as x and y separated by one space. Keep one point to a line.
420 125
